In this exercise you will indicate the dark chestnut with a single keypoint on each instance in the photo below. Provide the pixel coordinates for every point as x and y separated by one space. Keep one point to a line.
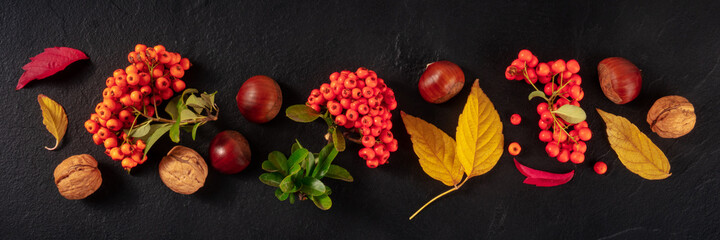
229 152
620 79
441 81
259 99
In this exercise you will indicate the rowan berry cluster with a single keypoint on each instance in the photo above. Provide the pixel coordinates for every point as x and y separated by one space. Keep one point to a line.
361 102
153 75
565 141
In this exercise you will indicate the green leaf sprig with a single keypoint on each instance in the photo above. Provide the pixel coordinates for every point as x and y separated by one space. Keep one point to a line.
298 177
187 111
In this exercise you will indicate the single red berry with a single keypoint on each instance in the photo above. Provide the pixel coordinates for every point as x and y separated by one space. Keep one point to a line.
91 126
340 120
573 66
367 153
96 139
545 136
362 72
559 136
550 88
543 125
110 142
334 76
392 146
114 124
162 83
525 55
351 115
372 163
334 108
543 69
514 148
379 149
533 62
552 149
585 134
515 119
577 157
366 121
600 168
580 146
558 66
368 141
546 116
386 136
564 156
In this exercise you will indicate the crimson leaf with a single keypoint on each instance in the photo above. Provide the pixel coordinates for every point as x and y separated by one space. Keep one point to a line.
49 62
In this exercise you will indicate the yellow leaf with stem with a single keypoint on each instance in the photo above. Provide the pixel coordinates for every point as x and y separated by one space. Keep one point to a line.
54 118
435 150
634 149
478 147
479 134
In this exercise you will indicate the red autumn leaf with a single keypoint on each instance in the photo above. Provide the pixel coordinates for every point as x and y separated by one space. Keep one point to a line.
49 62
542 178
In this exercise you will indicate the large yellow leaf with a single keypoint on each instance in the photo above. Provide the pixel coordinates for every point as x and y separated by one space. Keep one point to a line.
634 149
435 149
479 134
54 118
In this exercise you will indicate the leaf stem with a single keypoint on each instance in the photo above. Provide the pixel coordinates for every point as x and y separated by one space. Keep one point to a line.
439 196
189 121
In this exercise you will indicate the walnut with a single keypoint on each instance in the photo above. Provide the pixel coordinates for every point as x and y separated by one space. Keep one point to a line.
671 116
183 170
77 177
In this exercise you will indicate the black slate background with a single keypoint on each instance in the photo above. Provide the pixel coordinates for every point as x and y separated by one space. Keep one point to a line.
299 43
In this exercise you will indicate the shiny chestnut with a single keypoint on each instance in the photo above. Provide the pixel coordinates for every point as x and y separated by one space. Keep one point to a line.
620 79
259 99
441 81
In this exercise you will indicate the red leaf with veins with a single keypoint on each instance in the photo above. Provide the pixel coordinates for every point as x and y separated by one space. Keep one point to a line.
542 178
49 62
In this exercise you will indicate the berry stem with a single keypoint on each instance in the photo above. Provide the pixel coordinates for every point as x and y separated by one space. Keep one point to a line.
456 187
189 121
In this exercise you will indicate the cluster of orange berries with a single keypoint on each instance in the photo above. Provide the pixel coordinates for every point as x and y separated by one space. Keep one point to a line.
362 102
561 87
153 75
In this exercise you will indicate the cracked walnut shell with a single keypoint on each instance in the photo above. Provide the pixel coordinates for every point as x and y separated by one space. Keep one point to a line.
77 177
671 116
183 170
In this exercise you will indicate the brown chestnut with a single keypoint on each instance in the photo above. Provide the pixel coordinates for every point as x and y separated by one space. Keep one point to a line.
229 152
620 79
441 81
259 99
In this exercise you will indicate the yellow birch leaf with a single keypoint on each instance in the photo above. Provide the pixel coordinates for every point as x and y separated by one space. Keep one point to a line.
479 134
634 149
435 149
54 118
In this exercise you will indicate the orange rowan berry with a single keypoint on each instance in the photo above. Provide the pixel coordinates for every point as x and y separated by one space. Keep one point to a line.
118 72
140 66
126 148
162 83
176 59
144 79
140 145
159 48
110 142
140 48
104 112
96 139
120 81
157 72
114 124
146 90
104 133
110 81
125 100
110 104
166 94
133 57
177 71
514 148
185 63
125 115
132 79
165 57
91 126
131 69
128 163
136 96
178 85
600 168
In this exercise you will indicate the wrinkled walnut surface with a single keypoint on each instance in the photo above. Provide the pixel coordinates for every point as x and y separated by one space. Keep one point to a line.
671 117
183 170
77 177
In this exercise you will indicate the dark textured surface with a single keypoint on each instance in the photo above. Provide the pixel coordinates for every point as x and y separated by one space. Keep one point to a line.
299 44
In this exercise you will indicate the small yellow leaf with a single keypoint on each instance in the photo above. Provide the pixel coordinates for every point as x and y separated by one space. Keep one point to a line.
634 149
435 149
54 118
479 134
